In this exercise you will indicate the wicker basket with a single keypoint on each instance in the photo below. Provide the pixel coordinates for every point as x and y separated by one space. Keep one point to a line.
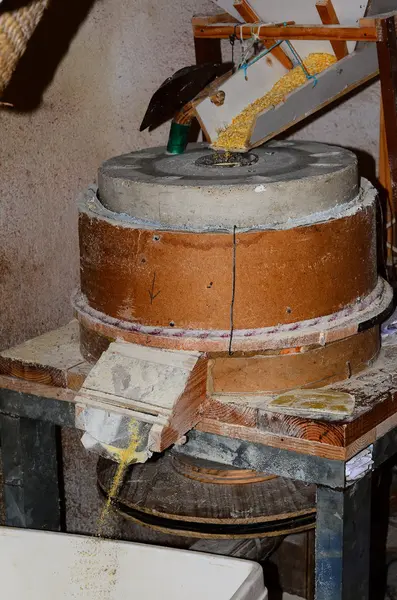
16 28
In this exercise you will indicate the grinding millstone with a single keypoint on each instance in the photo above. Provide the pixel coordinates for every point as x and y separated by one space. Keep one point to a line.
281 181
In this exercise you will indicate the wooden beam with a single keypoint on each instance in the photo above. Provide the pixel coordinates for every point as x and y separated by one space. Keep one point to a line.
246 11
328 16
206 51
288 32
250 16
385 181
387 56
375 20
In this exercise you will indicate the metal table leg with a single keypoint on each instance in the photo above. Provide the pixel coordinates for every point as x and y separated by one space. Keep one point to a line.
343 541
32 486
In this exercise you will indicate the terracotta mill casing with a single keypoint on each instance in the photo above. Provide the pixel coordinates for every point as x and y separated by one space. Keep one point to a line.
269 267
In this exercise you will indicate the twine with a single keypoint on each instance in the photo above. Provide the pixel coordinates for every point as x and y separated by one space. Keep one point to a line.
16 28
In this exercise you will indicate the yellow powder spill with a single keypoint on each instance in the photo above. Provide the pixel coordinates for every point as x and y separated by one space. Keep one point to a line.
126 457
236 135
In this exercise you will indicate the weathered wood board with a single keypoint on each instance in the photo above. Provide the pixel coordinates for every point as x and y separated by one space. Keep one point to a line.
161 387
302 11
375 411
53 358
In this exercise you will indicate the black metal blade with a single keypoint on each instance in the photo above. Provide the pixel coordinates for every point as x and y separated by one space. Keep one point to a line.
178 90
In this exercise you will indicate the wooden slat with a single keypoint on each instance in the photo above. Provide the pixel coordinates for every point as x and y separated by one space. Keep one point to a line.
206 51
375 413
275 441
36 389
231 413
387 56
76 376
250 16
246 11
163 388
289 32
53 358
328 16
385 181
375 20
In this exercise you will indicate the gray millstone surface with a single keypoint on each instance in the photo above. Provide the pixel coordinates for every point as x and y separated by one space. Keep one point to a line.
290 180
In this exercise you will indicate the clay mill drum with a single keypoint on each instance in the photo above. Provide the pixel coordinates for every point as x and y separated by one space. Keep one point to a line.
267 263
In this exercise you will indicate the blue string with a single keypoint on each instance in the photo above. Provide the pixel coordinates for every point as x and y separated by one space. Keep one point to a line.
245 65
301 64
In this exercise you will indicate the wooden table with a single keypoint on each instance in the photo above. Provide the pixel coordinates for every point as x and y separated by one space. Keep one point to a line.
38 384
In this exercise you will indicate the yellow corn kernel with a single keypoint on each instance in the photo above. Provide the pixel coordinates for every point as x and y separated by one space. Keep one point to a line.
236 135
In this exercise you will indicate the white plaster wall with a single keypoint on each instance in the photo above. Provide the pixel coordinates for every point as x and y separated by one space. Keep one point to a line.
91 111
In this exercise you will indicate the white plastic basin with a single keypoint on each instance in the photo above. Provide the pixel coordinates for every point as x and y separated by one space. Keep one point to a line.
37 565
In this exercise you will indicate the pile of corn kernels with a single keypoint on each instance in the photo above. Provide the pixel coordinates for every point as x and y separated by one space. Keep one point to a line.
236 135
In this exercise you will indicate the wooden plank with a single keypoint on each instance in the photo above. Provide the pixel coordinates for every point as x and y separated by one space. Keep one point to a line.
328 16
278 373
267 439
36 389
289 32
161 387
385 182
246 11
53 358
387 55
231 413
313 430
376 18
76 376
206 51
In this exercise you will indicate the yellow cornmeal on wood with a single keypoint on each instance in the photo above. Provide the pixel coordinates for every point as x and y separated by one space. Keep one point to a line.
324 401
235 136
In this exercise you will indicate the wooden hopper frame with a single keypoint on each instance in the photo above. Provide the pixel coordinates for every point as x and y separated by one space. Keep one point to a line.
350 72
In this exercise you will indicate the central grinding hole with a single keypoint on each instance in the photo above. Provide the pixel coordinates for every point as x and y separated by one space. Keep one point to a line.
227 159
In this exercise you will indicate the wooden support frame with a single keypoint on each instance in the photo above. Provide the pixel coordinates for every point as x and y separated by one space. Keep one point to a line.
373 28
362 33
387 56
250 16
328 16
